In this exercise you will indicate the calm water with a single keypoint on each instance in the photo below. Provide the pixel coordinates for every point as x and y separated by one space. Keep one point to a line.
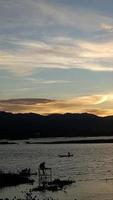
91 168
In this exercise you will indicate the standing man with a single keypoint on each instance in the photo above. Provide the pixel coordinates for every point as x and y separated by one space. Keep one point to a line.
42 167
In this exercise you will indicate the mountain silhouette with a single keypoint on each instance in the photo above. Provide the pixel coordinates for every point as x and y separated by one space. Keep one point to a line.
31 125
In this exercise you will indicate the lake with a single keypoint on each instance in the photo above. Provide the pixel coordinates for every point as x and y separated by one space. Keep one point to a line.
91 167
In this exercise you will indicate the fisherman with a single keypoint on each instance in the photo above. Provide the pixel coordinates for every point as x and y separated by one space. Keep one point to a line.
42 167
68 154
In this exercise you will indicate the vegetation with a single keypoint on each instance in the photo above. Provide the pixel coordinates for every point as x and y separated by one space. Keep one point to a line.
30 196
12 179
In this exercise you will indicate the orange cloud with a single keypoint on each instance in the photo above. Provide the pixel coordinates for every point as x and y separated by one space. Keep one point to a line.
95 104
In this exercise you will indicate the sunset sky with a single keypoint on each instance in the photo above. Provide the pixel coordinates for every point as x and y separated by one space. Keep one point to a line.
56 56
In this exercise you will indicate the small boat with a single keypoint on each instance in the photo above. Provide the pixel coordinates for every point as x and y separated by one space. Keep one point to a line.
67 156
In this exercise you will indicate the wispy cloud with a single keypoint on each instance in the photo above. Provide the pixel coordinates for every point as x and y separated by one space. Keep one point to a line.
107 27
91 104
20 19
49 13
65 53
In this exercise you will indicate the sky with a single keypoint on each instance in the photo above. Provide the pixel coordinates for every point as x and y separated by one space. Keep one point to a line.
56 56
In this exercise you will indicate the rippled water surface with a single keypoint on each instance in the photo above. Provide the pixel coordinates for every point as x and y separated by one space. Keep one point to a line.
91 167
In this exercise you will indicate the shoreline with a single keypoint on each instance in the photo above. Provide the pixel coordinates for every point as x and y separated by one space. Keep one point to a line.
87 141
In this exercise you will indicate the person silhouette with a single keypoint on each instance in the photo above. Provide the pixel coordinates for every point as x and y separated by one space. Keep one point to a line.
42 167
68 154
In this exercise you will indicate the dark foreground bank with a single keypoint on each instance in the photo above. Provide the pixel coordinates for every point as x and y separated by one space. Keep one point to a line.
13 179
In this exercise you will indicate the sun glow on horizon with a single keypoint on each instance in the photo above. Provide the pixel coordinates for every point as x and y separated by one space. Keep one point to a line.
95 104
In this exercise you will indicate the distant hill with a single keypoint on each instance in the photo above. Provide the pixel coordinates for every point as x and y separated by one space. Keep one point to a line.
23 126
